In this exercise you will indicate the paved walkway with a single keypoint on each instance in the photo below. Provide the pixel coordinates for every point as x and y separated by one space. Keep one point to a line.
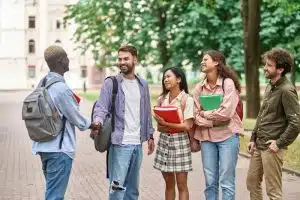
21 176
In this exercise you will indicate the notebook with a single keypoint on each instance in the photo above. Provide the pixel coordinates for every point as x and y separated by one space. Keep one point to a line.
210 102
169 114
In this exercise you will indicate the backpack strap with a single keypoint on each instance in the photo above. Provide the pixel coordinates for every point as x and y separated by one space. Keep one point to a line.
112 109
223 80
113 100
63 131
49 83
183 102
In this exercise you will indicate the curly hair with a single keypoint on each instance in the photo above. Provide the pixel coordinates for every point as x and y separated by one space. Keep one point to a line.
281 57
223 69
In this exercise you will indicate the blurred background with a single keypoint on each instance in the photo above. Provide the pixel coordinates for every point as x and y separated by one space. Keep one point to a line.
166 33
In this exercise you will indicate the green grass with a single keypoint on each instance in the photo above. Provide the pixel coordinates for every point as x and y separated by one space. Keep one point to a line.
249 123
292 158
91 96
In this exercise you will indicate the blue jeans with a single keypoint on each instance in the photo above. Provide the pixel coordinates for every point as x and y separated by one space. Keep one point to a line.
57 168
124 163
219 161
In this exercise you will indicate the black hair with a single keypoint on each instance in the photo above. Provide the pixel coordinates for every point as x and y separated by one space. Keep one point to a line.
179 73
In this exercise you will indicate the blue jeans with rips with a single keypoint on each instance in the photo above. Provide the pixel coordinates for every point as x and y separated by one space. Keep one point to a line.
219 161
57 168
124 163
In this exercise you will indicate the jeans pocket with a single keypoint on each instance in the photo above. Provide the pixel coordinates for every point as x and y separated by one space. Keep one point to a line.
57 163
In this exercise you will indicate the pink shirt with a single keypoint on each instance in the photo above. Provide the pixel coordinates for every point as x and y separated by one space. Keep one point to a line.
227 111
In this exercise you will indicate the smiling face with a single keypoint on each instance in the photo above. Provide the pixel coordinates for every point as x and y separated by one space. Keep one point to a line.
126 62
170 80
208 65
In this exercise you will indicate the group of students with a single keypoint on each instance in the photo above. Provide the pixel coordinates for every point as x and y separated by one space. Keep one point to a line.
215 131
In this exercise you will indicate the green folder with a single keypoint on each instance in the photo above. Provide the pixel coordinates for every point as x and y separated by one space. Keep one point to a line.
210 102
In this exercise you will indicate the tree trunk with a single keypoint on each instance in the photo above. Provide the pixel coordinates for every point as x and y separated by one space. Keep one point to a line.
293 75
251 22
162 44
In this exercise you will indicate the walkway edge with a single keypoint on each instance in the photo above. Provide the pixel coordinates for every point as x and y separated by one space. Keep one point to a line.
284 168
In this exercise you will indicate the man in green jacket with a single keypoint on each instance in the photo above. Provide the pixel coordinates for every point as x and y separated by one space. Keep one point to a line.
277 126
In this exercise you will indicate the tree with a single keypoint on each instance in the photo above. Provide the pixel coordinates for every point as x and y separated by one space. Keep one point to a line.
280 27
165 32
251 22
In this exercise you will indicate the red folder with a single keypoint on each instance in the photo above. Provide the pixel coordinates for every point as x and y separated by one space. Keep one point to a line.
169 114
77 98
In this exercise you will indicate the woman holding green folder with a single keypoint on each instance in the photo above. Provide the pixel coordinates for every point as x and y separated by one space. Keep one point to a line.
218 124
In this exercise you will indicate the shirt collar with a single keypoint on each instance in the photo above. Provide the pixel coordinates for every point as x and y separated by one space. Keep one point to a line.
179 96
57 75
219 82
279 82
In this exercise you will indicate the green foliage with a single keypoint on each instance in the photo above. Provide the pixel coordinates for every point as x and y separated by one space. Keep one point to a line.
170 31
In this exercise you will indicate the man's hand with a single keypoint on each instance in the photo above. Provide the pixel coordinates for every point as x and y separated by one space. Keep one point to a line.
151 146
95 125
273 146
251 147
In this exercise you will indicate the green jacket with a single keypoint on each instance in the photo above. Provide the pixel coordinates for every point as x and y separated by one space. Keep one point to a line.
279 116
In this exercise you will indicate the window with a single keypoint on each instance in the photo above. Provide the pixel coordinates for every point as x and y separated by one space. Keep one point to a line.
58 24
31 22
31 46
83 71
31 71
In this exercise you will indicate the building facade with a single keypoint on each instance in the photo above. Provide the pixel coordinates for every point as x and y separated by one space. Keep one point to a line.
27 28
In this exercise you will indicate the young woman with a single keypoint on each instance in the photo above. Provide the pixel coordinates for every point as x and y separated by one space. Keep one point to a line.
218 129
173 155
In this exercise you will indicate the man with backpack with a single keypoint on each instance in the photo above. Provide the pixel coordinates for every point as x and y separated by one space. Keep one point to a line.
132 125
51 114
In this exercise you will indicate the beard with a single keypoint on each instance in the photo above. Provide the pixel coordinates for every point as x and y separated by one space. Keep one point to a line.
126 68
269 75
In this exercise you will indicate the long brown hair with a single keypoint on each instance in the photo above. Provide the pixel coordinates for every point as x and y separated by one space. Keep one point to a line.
223 69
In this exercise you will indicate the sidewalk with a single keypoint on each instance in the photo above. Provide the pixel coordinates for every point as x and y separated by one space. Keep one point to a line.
21 176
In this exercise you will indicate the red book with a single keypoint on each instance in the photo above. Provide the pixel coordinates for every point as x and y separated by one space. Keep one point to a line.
169 114
78 99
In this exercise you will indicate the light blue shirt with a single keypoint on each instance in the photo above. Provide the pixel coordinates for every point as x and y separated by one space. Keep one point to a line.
65 102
